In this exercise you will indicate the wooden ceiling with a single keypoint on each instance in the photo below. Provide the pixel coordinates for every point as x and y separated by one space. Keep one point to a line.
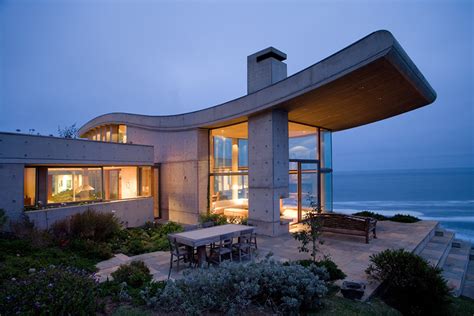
368 94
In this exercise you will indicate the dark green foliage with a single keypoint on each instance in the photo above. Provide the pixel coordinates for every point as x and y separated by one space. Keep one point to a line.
50 291
234 288
217 219
377 216
331 267
401 218
17 256
309 236
92 225
151 237
404 218
136 274
3 218
411 284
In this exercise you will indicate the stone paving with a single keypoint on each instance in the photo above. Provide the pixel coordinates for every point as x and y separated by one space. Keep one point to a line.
351 253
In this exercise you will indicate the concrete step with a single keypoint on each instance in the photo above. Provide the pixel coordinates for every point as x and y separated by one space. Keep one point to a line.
468 289
456 265
437 249
419 248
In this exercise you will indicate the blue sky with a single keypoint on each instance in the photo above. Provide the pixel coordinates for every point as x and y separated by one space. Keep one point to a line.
65 62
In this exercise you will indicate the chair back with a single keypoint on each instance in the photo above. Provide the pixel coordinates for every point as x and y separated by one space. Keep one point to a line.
207 224
190 227
245 236
227 240
173 244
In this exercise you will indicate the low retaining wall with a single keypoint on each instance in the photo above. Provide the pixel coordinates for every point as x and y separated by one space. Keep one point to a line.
132 213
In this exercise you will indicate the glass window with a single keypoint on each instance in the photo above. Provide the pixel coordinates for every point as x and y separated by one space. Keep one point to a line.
120 183
122 134
303 141
145 179
74 184
222 152
229 170
243 153
29 187
326 149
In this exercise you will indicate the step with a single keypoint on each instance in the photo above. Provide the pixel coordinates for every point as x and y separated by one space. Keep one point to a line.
468 289
437 249
419 248
456 265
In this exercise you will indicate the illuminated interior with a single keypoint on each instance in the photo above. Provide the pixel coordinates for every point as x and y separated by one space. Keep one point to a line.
108 133
310 171
229 170
87 184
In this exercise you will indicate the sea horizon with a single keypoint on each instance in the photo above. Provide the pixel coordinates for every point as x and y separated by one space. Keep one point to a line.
445 195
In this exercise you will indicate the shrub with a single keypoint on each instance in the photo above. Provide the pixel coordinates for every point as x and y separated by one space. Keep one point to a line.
135 274
217 219
92 249
376 216
231 288
3 218
94 225
404 218
51 291
311 232
411 284
333 271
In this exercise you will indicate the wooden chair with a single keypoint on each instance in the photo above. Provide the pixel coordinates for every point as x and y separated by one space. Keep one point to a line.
243 246
223 248
177 251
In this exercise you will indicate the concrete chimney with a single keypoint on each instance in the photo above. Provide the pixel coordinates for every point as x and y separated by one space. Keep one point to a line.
265 68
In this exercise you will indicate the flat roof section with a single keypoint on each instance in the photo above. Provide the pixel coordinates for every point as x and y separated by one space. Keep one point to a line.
370 80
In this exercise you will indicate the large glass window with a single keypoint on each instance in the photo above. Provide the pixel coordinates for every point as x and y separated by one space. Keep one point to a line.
74 184
108 133
66 185
229 170
29 187
303 141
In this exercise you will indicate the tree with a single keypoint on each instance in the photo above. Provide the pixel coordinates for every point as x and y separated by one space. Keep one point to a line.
309 235
68 131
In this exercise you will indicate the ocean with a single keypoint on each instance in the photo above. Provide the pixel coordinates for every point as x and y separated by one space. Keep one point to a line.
444 195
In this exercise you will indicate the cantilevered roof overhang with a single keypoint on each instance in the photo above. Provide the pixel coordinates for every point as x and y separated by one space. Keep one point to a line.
370 80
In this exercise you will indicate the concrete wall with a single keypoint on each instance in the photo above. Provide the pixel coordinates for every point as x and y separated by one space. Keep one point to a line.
21 148
268 170
132 213
11 190
184 170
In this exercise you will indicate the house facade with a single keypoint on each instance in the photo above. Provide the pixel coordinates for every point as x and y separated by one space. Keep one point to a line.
266 156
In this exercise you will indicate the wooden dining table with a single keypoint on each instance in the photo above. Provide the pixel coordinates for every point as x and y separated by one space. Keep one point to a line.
200 238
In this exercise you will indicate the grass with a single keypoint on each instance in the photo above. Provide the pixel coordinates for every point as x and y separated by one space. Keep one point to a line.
338 305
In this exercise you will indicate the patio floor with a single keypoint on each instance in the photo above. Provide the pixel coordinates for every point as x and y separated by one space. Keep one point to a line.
351 253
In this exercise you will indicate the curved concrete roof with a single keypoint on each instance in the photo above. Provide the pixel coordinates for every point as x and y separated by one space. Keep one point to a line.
370 80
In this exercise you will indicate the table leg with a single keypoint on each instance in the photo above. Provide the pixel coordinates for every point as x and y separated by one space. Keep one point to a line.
201 252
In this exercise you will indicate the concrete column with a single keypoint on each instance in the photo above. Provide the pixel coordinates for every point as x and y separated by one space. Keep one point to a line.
268 170
42 185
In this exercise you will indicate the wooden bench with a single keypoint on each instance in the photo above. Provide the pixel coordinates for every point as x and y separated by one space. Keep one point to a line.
348 224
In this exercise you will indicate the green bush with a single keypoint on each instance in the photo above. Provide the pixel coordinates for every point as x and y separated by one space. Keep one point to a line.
411 284
92 249
94 225
217 219
232 288
404 218
376 216
331 267
135 274
50 291
149 238
90 225
3 218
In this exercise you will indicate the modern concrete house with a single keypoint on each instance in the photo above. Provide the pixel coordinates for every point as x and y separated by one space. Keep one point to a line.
260 156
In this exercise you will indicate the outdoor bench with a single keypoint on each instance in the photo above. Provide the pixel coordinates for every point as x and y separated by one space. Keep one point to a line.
348 224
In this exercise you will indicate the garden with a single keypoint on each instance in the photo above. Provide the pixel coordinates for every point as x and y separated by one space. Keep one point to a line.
52 273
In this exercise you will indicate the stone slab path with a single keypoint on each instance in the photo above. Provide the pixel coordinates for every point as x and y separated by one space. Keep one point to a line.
351 253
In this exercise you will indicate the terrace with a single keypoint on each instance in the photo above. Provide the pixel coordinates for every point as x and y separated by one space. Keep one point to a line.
350 253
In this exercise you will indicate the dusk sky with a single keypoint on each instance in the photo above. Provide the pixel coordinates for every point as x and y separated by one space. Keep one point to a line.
66 62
